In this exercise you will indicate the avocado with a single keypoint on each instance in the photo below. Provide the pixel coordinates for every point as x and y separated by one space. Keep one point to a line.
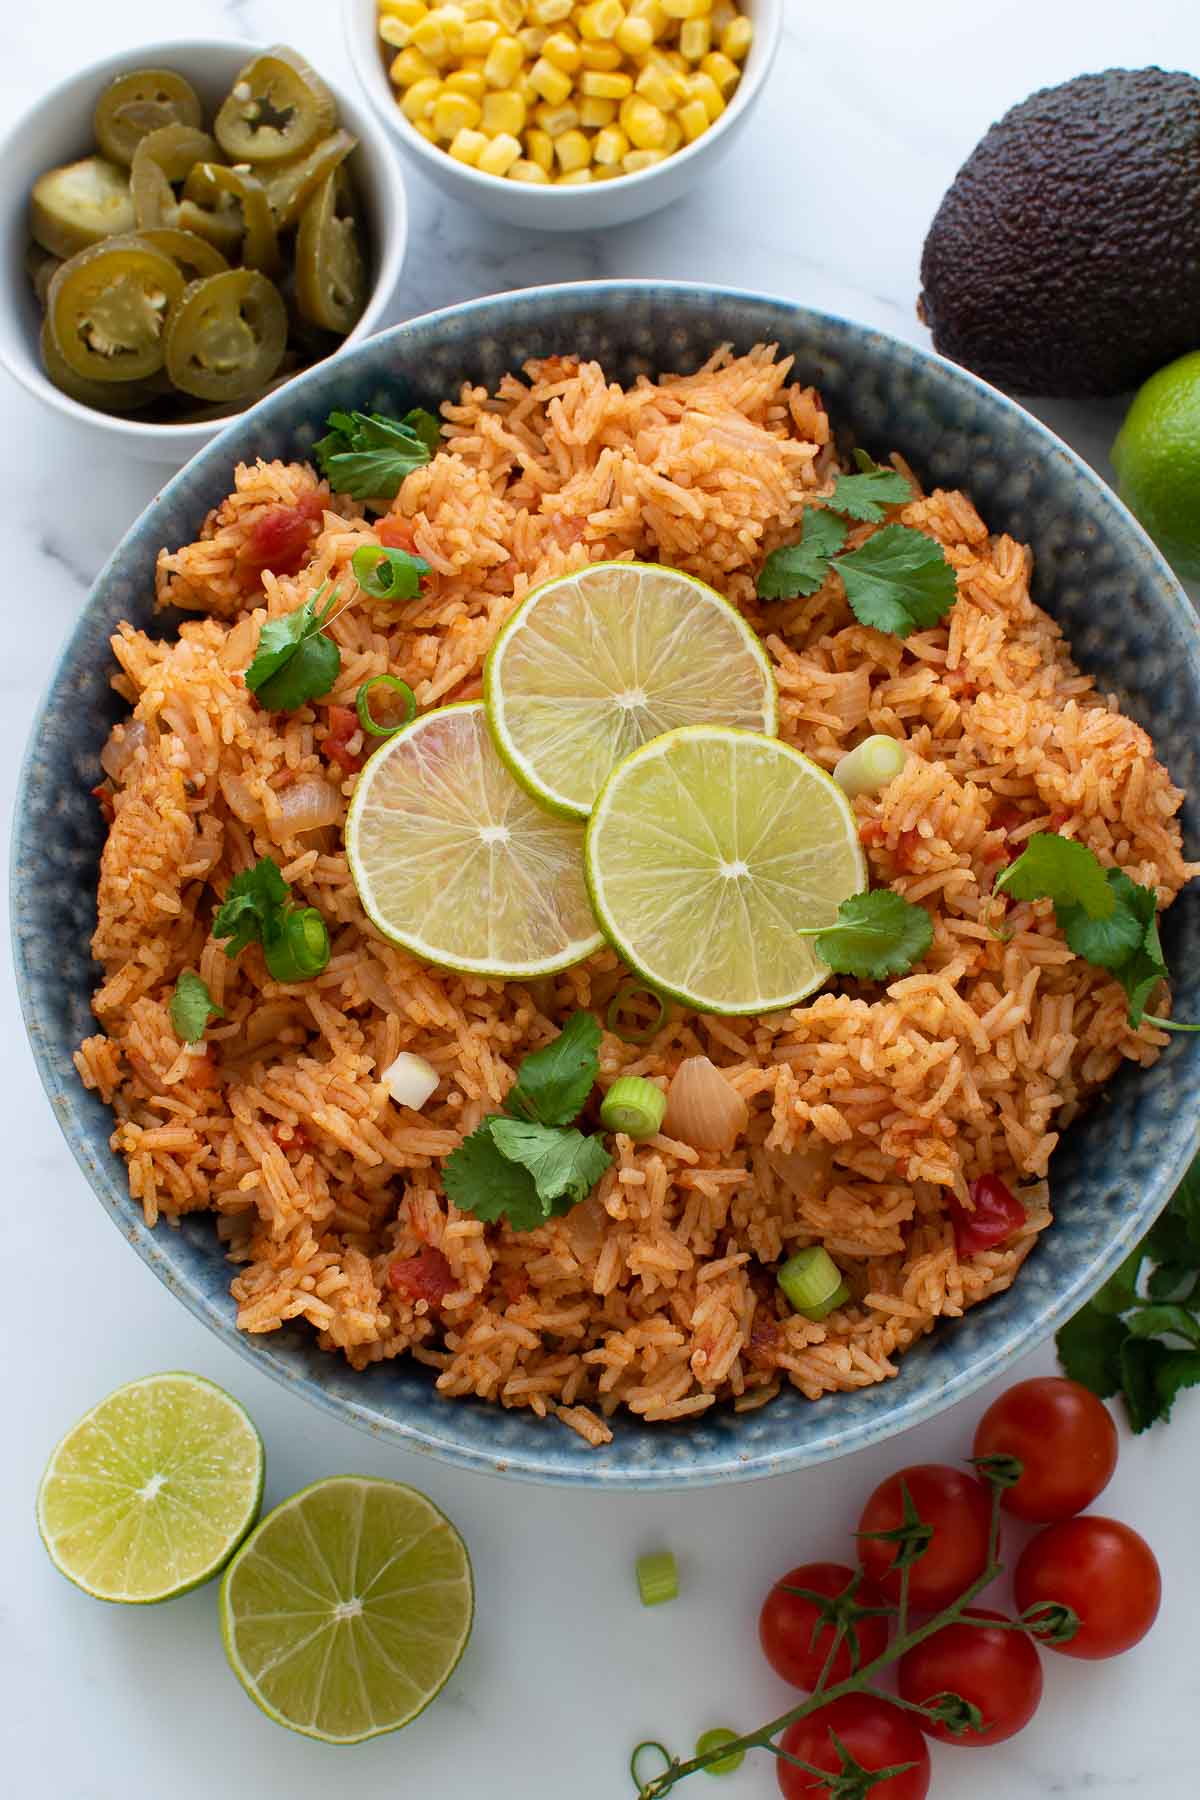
1065 257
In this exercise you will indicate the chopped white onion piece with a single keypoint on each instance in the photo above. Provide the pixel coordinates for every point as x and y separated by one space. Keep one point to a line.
410 1080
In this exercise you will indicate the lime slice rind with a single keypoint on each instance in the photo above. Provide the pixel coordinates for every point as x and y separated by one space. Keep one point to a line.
455 862
336 1623
708 850
596 662
151 1492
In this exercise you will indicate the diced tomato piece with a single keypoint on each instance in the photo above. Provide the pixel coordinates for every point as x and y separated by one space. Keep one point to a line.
280 538
1006 819
425 1276
291 1137
870 833
103 793
341 725
396 533
202 1071
997 1214
514 1285
902 856
1058 820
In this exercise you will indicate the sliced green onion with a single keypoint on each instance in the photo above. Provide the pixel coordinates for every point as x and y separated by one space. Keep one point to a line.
657 1577
394 685
387 574
812 1283
634 1106
648 1747
712 1740
870 765
300 949
620 1002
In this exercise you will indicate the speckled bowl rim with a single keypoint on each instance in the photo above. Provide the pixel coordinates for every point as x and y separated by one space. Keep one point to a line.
899 1411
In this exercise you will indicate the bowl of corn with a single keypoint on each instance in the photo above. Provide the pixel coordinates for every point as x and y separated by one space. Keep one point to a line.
564 114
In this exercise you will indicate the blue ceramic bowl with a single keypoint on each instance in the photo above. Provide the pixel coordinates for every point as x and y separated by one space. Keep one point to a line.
1128 622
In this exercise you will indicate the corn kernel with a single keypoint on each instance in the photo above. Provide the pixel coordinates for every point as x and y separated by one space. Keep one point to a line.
652 12
693 119
467 146
554 120
695 39
410 66
504 112
551 83
408 10
723 14
686 9
674 137
531 38
467 81
676 60
454 112
503 62
501 153
573 150
603 85
606 171
600 56
549 12
418 102
594 114
478 36
426 130
646 124
474 10
430 37
562 49
610 146
652 84
703 87
637 160
508 14
525 88
600 20
540 146
634 36
737 38
528 171
726 74
577 178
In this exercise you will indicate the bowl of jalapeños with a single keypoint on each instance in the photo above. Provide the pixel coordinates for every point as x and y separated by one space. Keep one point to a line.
191 224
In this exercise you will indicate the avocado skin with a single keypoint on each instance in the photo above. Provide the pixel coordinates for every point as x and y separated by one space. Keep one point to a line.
1065 257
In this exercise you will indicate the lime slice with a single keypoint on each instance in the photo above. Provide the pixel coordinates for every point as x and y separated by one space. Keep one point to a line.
347 1610
454 861
598 662
153 1490
706 852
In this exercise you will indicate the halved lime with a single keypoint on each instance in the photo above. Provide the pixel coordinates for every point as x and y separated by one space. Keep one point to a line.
153 1490
595 663
347 1610
454 861
707 851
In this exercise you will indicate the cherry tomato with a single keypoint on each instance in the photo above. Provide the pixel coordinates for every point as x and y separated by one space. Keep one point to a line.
877 1735
959 1509
1000 1672
1102 1570
796 1634
1066 1439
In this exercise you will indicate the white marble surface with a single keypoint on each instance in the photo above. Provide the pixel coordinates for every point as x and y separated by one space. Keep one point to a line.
871 109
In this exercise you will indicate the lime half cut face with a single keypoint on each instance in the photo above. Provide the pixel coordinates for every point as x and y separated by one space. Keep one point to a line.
707 851
596 663
454 861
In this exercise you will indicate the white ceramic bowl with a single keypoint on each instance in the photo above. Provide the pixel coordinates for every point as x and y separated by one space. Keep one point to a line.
58 129
566 208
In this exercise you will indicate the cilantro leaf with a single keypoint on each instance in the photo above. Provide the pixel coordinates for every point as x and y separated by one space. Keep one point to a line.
1164 1320
480 1180
553 1083
565 1165
866 495
1177 1370
877 934
294 662
368 456
1089 1349
800 568
192 1006
1056 868
1140 1361
1126 943
898 581
1120 1290
251 905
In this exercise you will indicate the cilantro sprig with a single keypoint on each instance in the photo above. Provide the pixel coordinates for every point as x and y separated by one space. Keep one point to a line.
876 934
191 1007
258 909
1140 1335
1109 920
898 581
368 456
530 1163
294 661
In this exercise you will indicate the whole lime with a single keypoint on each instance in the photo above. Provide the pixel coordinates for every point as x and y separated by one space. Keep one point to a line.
1157 459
